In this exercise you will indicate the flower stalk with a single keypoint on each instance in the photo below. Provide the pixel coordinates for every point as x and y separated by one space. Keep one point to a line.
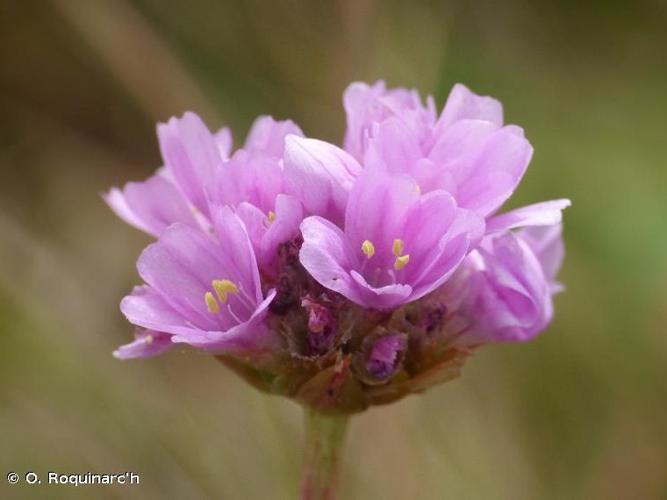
325 434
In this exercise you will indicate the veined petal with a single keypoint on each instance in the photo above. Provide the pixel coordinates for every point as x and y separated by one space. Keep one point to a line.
239 257
326 256
268 135
458 145
517 296
147 343
151 205
250 338
146 307
504 158
547 244
363 108
462 104
224 140
248 176
289 214
376 212
383 297
180 266
255 222
192 155
116 200
438 236
393 149
320 175
546 213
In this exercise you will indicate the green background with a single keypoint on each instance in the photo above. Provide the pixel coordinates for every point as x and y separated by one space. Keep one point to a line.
580 413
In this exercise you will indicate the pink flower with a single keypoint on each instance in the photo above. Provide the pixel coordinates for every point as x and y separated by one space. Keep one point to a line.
503 290
396 245
466 150
199 175
201 290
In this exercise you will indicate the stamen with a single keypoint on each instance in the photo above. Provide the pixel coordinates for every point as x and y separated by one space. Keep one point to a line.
148 339
223 288
401 262
233 314
271 216
418 189
368 248
398 247
211 304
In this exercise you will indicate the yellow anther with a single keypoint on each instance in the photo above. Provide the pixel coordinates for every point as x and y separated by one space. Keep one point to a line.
401 262
223 288
148 339
418 189
398 247
271 216
368 248
211 304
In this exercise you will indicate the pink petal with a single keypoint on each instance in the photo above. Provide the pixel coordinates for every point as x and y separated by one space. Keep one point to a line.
151 205
268 135
148 343
320 175
326 257
462 104
192 155
546 213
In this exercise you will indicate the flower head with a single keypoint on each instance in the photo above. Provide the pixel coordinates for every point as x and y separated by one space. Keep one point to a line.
343 277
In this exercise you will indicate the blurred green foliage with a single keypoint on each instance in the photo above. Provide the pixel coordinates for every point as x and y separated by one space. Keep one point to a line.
579 413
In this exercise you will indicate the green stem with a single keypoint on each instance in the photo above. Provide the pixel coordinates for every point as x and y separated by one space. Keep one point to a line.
324 440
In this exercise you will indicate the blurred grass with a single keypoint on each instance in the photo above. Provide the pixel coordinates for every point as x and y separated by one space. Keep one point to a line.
577 414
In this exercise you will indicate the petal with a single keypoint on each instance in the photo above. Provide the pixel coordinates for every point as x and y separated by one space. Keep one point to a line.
255 222
479 163
252 177
384 297
325 255
268 135
547 244
517 296
239 257
181 266
289 214
224 140
148 343
457 146
116 200
190 152
362 107
151 205
250 338
546 213
320 175
146 308
427 221
393 148
462 104
376 212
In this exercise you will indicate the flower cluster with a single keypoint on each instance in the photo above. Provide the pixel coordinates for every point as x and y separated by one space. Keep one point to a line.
343 277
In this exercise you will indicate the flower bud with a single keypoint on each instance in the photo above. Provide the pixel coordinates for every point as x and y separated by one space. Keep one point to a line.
381 356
